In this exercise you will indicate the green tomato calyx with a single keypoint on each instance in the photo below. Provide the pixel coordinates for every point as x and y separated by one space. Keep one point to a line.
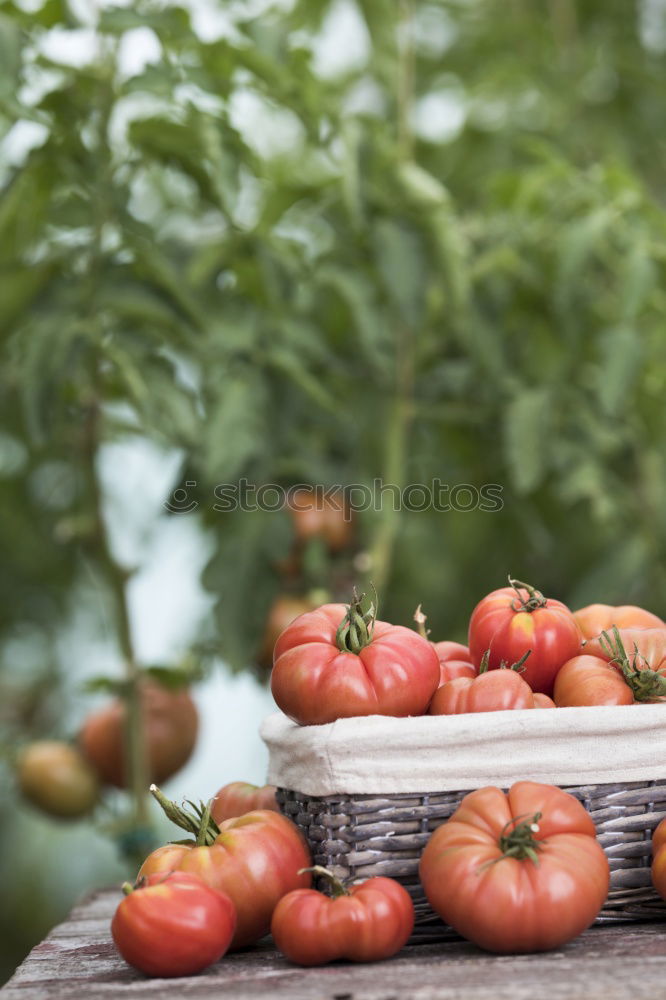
356 628
532 602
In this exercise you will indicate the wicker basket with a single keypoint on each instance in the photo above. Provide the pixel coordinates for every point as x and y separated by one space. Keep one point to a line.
363 835
355 788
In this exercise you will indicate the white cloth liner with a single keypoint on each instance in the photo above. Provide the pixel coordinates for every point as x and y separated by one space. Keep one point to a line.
381 755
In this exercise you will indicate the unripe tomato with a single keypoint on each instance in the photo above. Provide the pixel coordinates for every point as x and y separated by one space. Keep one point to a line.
511 620
173 925
317 515
170 724
240 797
597 618
57 778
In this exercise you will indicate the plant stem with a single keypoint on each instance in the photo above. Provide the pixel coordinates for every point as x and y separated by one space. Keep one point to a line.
406 68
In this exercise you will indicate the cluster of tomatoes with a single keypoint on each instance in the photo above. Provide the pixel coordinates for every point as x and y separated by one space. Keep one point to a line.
524 651
64 779
513 872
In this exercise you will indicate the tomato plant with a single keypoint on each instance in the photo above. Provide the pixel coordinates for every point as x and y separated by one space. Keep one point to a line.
490 691
338 662
172 924
364 923
518 871
659 858
597 618
606 674
511 620
254 858
170 722
240 797
323 516
57 778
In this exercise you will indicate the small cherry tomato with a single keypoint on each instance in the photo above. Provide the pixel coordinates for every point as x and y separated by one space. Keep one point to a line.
173 924
240 797
514 619
366 922
57 778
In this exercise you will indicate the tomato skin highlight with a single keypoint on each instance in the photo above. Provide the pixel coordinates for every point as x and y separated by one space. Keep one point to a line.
254 860
313 682
240 797
589 680
173 925
549 631
594 619
372 923
658 869
506 904
494 691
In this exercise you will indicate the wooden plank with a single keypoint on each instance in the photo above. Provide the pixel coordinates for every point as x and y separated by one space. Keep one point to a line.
77 961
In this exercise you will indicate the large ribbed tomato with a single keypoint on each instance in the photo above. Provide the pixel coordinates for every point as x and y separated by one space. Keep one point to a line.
366 922
173 925
511 620
254 858
240 797
597 618
518 871
338 662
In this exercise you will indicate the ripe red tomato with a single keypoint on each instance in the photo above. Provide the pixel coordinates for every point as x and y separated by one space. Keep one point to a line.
597 618
492 691
621 667
318 515
514 619
57 778
240 797
170 722
255 859
447 651
338 662
367 922
659 859
516 872
589 680
454 661
173 925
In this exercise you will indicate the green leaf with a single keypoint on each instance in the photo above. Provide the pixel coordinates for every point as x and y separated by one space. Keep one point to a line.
526 437
402 268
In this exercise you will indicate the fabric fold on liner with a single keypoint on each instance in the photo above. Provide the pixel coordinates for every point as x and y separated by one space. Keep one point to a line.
381 755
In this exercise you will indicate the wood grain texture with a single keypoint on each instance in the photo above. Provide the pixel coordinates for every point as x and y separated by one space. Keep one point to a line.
78 961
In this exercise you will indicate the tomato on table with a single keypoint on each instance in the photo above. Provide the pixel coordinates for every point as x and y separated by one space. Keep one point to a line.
366 922
254 858
513 619
338 662
172 924
516 871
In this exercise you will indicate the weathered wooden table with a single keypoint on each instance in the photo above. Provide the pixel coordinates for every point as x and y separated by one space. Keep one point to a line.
78 961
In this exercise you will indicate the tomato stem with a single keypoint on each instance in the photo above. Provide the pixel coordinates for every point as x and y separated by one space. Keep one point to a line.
421 618
336 885
535 598
646 684
518 666
198 821
520 843
356 628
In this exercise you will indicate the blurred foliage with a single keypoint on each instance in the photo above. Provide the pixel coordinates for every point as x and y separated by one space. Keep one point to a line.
437 255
